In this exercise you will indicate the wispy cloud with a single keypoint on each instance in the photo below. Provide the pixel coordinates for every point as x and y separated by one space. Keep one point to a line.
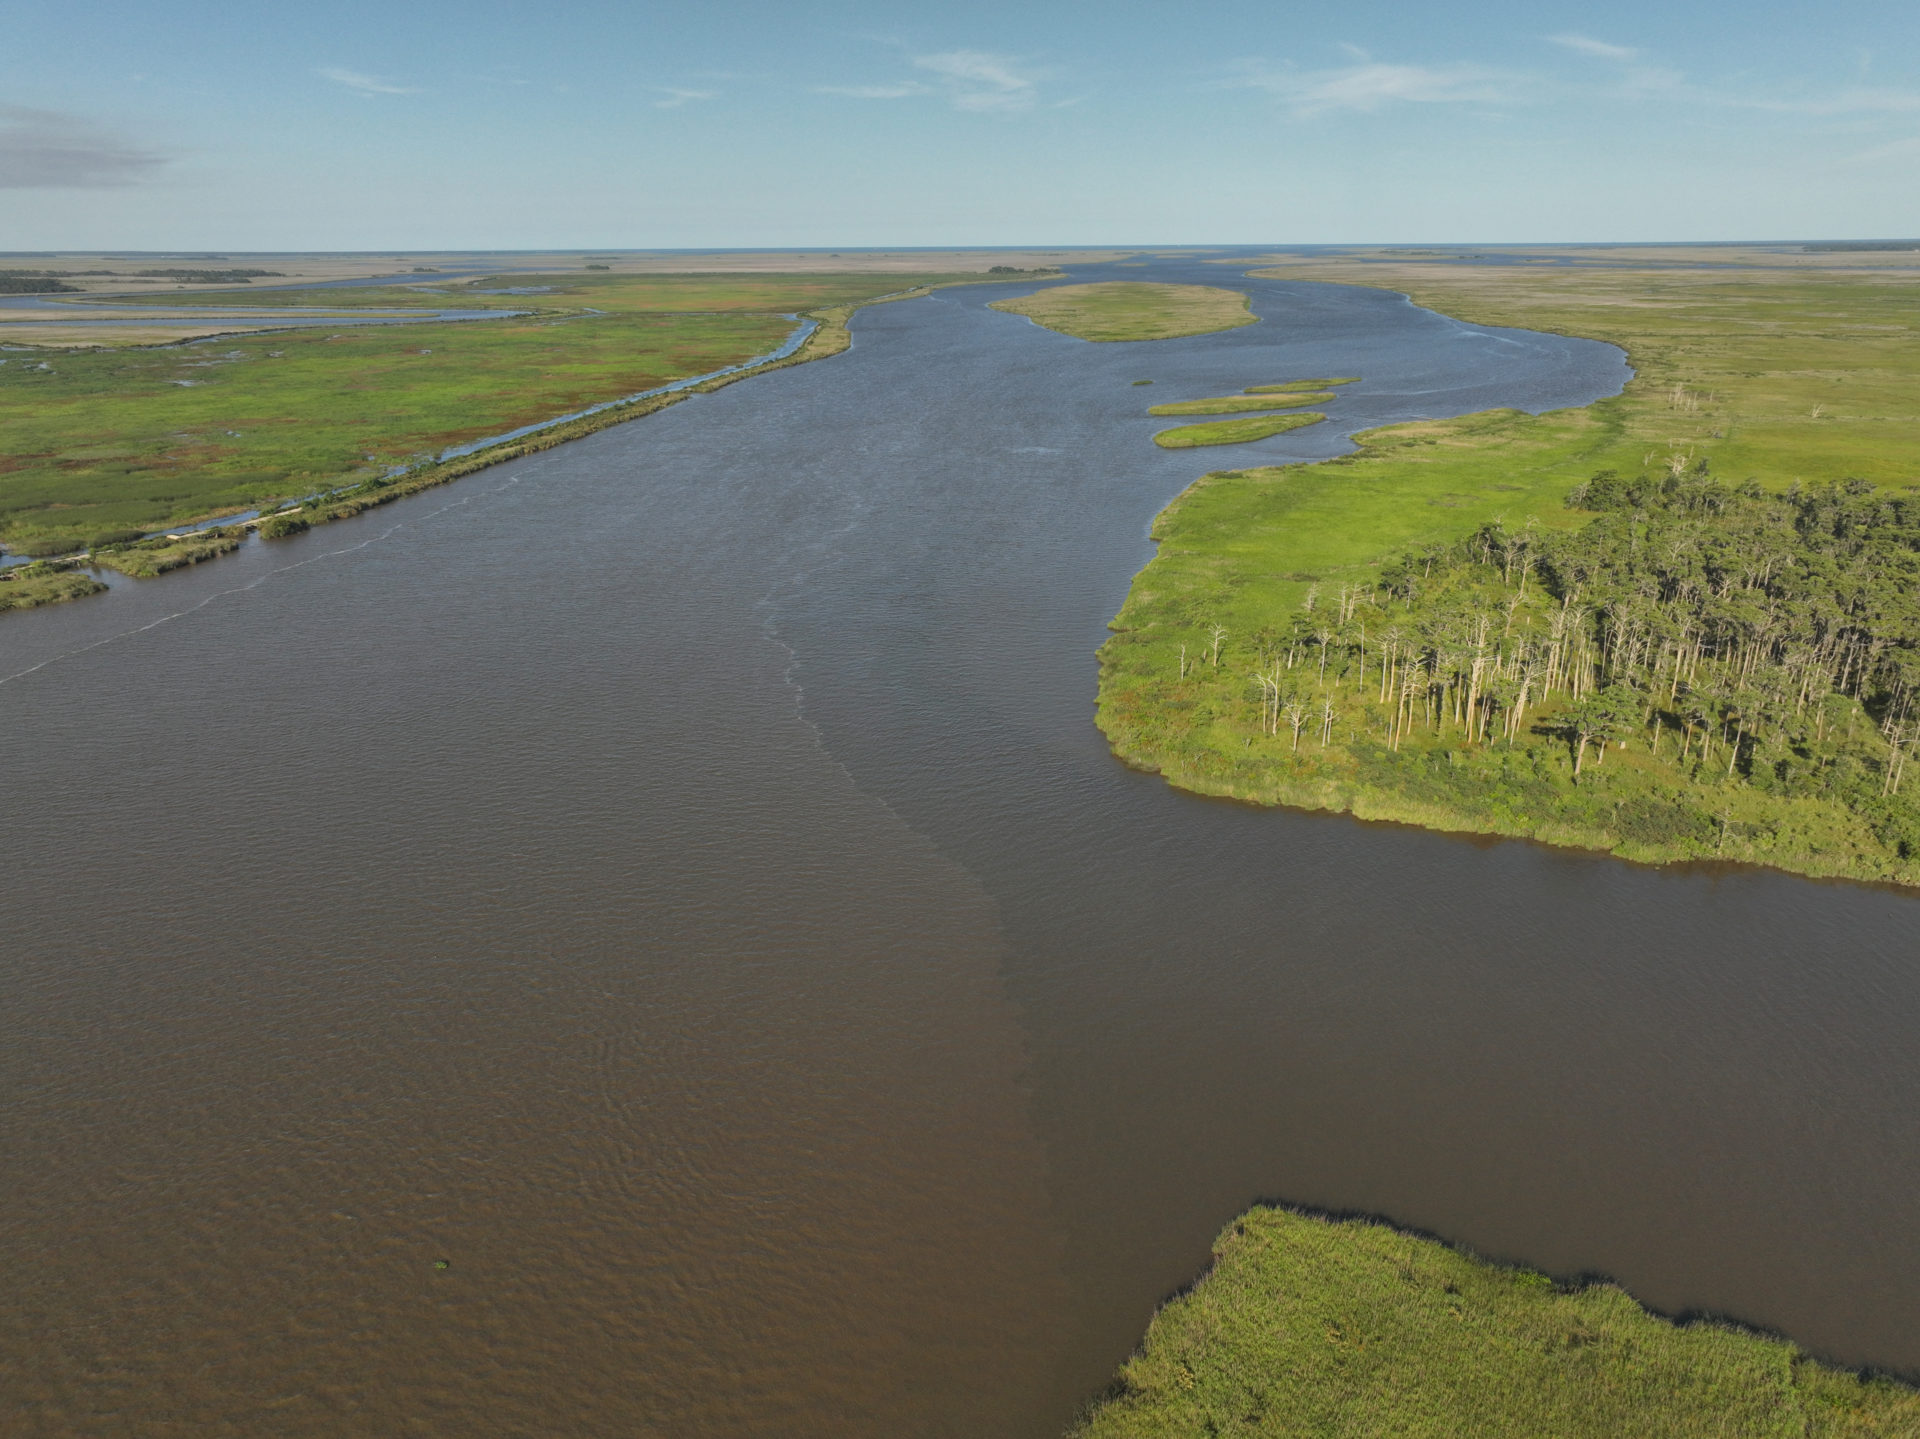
1841 102
1599 49
1375 86
899 91
977 80
362 84
44 149
673 97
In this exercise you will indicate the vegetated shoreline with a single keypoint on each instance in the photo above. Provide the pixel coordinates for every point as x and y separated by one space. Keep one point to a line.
60 579
1377 806
1310 1321
1221 775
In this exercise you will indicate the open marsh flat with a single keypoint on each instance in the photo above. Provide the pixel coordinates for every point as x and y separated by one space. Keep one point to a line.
674 882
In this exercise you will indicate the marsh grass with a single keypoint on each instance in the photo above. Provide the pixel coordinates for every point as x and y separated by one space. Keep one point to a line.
1241 404
116 441
26 587
145 559
1233 432
1288 386
1132 310
1804 378
1308 1326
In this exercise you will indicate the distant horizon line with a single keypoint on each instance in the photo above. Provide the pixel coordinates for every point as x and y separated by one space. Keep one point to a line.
1860 242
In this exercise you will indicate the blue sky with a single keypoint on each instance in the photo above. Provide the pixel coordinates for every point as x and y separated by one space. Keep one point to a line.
418 125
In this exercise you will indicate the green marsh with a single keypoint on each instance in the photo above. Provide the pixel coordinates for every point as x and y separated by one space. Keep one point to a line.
1233 432
1311 1326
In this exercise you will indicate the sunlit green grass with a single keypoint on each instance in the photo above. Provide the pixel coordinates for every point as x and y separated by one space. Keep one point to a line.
114 440
1312 1327
26 587
614 294
1233 432
1131 310
1289 385
1241 404
1799 378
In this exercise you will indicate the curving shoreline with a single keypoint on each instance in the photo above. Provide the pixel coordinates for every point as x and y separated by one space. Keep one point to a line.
1247 551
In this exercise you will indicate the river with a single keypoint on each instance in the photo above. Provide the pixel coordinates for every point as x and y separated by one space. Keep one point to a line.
647 940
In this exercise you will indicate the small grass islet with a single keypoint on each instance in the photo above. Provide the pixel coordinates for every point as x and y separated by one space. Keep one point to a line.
1234 432
1243 404
1313 1326
1115 310
1289 386
1675 625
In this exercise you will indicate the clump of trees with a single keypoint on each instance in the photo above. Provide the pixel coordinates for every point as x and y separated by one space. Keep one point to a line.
1733 635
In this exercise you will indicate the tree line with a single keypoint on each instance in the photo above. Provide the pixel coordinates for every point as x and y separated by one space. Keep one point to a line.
1742 635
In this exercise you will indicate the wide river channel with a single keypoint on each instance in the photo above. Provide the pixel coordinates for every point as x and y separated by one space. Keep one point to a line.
648 940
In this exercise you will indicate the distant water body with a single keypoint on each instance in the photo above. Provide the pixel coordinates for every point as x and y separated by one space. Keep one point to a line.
647 940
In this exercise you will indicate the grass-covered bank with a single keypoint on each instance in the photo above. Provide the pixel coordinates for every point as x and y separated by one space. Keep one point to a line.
1311 1326
105 441
27 587
106 444
1294 567
1132 310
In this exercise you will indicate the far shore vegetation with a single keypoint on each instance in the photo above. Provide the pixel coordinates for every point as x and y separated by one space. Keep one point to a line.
1680 624
1132 310
1313 1326
1234 432
108 444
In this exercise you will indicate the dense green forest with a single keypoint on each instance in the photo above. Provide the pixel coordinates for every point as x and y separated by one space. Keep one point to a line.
1698 670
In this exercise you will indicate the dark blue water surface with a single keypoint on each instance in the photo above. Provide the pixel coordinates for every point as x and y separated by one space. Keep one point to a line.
673 883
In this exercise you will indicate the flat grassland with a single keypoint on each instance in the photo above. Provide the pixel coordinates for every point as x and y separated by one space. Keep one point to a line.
1782 378
1234 432
1307 1326
1132 310
107 442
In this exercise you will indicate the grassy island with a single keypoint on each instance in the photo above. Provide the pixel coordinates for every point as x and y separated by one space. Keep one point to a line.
1310 1326
1133 310
1234 432
1288 386
1679 624
1241 404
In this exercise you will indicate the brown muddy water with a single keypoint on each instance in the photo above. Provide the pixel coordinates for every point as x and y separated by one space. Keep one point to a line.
648 940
